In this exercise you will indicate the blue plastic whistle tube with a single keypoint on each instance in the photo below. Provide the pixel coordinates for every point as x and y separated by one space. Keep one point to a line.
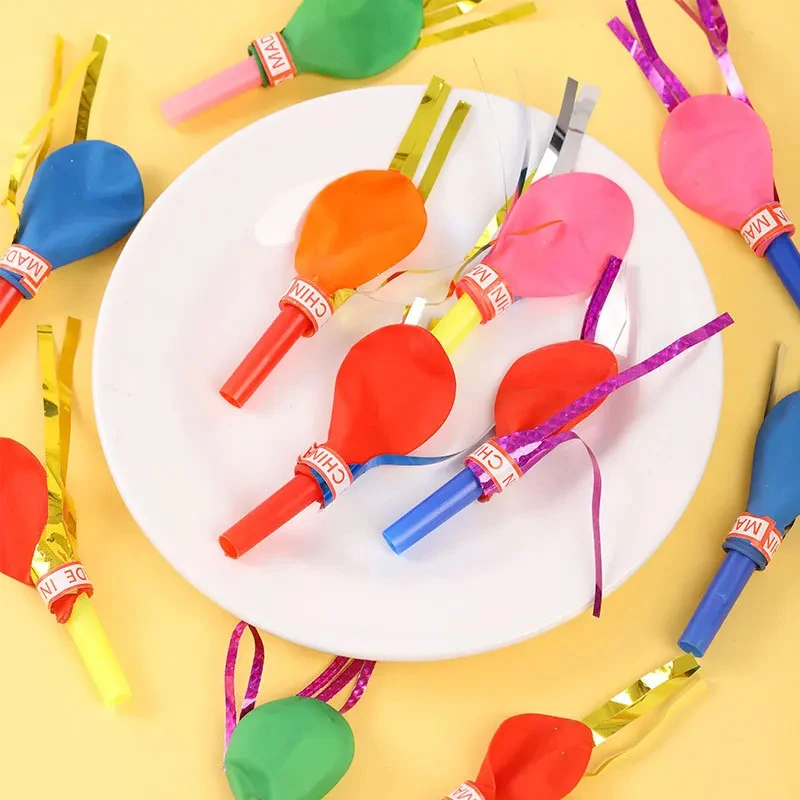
433 511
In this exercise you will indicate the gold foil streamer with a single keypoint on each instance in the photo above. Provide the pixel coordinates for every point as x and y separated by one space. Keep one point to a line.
453 10
55 86
27 149
89 89
57 544
443 148
409 153
511 15
653 692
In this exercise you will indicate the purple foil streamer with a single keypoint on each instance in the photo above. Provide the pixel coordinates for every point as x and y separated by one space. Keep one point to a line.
599 297
253 684
344 677
644 63
678 90
360 686
325 677
528 448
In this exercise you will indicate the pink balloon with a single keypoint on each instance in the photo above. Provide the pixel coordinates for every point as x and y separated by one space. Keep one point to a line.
716 158
560 234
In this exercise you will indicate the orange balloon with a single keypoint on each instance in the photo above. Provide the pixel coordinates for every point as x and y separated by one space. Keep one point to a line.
358 227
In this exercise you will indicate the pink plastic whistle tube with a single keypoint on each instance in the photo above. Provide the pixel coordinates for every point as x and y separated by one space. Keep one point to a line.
211 92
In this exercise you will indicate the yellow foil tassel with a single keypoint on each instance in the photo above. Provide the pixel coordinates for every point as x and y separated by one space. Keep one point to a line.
511 15
443 148
89 89
653 694
453 10
27 150
57 545
416 138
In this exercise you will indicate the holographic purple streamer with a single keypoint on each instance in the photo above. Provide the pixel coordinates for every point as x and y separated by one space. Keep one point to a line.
325 677
253 684
648 68
344 677
528 447
360 686
678 90
599 297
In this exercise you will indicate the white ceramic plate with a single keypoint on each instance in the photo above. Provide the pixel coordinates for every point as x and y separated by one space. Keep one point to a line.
188 464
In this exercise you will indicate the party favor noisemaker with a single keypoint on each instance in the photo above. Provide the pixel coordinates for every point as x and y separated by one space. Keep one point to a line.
343 39
539 757
536 386
715 153
356 228
297 748
38 522
394 390
82 199
503 460
554 242
756 535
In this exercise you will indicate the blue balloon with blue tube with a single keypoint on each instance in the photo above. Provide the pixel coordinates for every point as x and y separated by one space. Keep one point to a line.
772 507
84 198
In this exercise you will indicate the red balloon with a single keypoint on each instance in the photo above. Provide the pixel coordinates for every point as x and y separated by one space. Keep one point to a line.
535 757
23 509
394 390
544 381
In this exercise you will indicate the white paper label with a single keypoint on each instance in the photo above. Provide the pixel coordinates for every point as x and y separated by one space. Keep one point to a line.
31 268
490 287
466 792
310 300
765 223
332 467
275 58
497 463
62 580
760 532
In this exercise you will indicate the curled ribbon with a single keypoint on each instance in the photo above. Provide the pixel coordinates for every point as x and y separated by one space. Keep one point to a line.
332 680
528 448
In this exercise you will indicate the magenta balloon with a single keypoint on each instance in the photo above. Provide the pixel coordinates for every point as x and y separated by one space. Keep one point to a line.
716 158
560 234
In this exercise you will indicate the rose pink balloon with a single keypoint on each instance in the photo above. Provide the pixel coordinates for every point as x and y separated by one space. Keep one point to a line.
560 233
716 158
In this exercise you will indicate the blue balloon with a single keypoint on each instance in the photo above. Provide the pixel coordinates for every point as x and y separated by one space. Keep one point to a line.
82 199
774 493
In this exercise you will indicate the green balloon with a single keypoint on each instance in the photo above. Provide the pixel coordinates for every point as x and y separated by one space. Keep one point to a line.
352 38
292 749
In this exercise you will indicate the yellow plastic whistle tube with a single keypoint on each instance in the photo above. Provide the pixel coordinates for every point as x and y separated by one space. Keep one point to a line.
95 650
457 323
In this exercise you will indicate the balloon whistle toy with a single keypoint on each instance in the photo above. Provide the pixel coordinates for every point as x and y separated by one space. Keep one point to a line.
338 39
756 535
543 757
82 198
394 390
536 386
297 748
356 228
501 461
38 523
554 242
715 153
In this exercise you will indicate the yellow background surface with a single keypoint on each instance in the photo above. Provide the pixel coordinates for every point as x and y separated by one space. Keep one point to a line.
423 728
